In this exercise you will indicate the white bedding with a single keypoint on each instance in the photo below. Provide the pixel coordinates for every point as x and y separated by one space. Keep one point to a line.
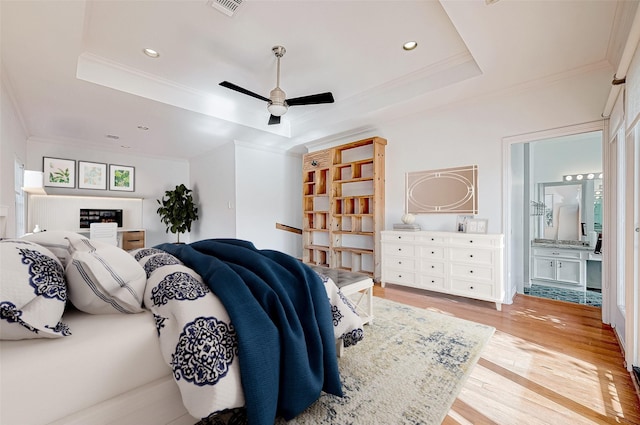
108 354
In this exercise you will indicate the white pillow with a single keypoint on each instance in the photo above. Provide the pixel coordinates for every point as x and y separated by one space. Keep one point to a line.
103 278
33 291
56 241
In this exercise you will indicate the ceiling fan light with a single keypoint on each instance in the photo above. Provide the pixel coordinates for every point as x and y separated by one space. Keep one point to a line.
277 110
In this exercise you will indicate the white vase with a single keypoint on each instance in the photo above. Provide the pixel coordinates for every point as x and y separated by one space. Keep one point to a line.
408 218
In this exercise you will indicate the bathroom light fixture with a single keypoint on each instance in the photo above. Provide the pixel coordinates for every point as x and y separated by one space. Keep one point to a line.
583 176
33 182
151 53
410 45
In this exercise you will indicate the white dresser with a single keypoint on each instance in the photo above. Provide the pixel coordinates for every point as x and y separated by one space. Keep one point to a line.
468 265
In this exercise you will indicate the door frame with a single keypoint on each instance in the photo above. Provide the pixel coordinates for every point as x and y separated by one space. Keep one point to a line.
507 143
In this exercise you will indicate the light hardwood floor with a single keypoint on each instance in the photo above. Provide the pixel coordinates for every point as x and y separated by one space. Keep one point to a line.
549 362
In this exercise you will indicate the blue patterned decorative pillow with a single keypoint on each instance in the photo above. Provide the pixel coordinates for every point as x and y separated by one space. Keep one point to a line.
33 291
103 278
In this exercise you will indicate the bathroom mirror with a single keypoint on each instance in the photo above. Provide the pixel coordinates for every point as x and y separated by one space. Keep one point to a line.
563 207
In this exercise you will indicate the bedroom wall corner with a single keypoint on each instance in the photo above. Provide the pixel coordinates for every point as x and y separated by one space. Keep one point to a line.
13 145
269 191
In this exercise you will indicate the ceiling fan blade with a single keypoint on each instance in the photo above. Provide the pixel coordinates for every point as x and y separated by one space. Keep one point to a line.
274 120
243 91
312 99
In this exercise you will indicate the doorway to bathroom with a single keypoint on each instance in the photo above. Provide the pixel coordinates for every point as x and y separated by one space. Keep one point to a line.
557 192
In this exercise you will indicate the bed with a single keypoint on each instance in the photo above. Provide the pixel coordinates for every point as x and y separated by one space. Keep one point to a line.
175 334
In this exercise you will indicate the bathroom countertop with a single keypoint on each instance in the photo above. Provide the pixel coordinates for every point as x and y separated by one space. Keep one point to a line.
562 245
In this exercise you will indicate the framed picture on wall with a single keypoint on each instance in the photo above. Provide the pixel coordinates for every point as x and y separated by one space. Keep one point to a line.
92 175
121 178
59 172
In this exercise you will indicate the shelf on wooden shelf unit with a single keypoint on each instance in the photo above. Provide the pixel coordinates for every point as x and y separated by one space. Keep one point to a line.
319 264
316 212
359 162
309 229
347 232
367 272
317 247
353 250
353 215
358 179
341 198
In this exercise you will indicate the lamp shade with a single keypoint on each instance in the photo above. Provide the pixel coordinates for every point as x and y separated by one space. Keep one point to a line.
277 110
33 182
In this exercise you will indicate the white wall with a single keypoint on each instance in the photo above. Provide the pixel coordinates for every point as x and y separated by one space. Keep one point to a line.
244 190
214 184
553 158
472 132
269 191
153 176
13 144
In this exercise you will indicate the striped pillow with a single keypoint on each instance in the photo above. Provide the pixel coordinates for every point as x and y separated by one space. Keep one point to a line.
103 278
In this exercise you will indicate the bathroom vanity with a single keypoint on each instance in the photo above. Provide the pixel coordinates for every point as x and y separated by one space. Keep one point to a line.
563 264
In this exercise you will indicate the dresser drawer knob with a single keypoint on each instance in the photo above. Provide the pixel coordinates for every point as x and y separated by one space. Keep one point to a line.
471 241
399 249
399 275
433 281
432 252
399 262
471 271
471 255
470 287
433 267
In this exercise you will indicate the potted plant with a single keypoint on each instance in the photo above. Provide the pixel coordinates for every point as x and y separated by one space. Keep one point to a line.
177 210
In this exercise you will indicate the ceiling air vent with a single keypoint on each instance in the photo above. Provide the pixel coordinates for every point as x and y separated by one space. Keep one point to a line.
228 7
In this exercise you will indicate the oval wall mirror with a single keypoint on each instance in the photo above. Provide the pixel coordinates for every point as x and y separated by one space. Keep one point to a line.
447 190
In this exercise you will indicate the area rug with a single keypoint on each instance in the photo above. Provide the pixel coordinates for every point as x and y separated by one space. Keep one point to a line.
409 369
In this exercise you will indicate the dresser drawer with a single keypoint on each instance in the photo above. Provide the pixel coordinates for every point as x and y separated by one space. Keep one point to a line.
431 240
399 263
403 250
471 288
316 160
471 271
132 240
431 252
476 256
472 241
431 282
400 277
432 268
398 237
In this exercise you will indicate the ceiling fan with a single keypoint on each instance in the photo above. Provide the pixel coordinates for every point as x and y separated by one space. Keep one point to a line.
277 103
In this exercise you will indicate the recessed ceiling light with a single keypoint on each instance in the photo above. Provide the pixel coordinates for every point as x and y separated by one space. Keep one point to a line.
112 136
151 53
410 45
125 147
143 127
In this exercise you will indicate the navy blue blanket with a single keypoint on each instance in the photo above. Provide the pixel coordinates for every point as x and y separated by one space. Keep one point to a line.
282 316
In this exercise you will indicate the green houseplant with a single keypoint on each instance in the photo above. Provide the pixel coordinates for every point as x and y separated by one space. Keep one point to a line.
177 210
